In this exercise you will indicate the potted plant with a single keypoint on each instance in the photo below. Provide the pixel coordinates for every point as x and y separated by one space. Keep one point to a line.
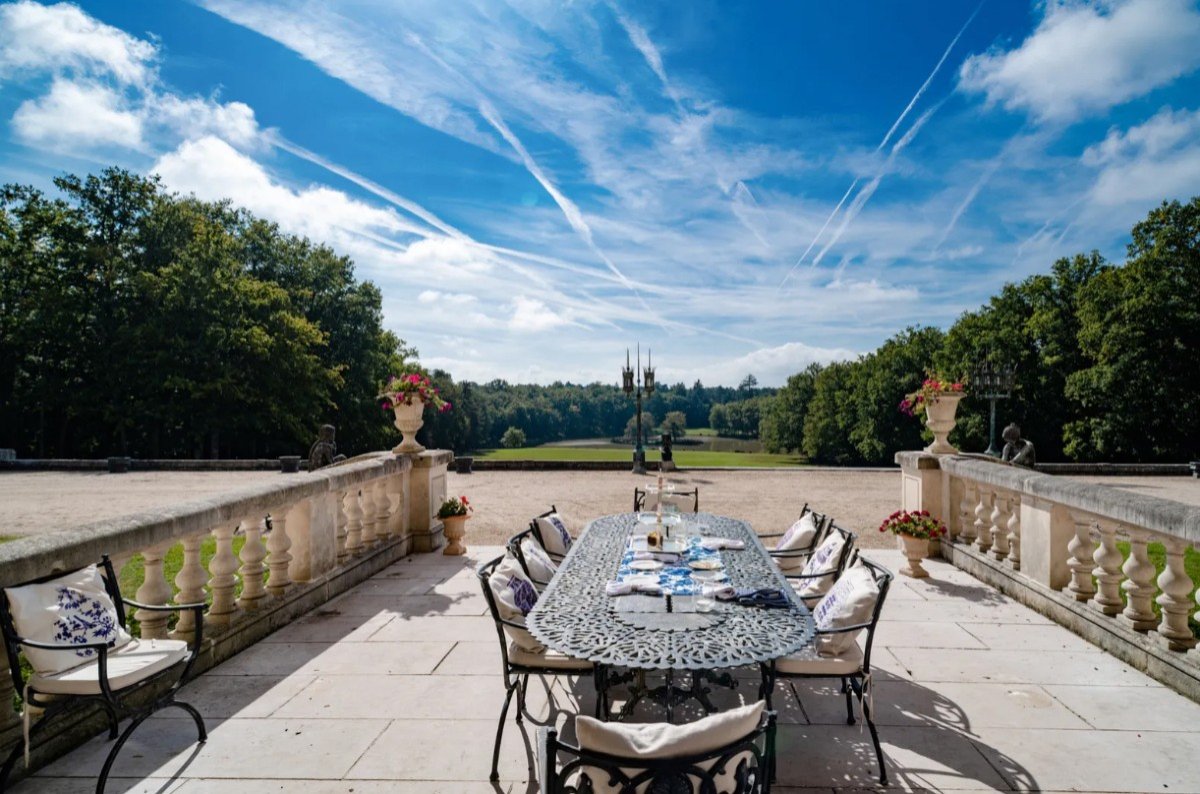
915 530
454 513
938 399
408 395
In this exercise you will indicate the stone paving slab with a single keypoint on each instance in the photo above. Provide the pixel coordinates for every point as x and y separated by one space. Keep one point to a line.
392 689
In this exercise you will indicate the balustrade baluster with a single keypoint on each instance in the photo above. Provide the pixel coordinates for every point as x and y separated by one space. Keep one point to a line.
369 536
983 521
1175 599
154 591
1139 585
253 554
967 512
383 510
999 529
1107 571
354 527
278 558
1014 532
223 583
341 533
190 581
1080 548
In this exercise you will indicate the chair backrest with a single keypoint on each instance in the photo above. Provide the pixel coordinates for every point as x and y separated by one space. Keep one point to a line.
9 630
537 531
883 580
484 572
514 548
688 499
848 541
748 760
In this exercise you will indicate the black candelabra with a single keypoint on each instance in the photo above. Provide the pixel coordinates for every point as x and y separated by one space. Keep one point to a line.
993 381
644 383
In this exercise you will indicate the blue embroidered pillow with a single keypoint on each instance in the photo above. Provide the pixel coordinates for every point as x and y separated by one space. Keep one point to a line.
72 610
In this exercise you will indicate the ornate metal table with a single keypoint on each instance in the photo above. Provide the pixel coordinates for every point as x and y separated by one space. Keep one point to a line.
642 633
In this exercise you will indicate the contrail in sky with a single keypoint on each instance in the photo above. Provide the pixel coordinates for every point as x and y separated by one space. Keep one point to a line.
912 102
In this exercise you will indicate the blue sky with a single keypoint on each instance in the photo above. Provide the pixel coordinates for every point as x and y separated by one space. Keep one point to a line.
535 185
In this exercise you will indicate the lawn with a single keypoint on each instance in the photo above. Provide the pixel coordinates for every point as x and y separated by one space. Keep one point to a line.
683 458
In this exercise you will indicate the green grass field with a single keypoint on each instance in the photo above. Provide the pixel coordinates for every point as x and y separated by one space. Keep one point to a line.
1158 556
683 458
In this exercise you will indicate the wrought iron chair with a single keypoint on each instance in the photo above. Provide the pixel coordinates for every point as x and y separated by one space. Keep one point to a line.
831 572
853 667
519 663
684 500
785 556
747 762
514 548
117 675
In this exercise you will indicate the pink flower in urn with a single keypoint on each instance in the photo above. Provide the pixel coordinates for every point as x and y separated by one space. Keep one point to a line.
445 407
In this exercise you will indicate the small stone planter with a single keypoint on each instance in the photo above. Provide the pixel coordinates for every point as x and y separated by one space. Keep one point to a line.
118 465
915 550
462 465
455 528
289 464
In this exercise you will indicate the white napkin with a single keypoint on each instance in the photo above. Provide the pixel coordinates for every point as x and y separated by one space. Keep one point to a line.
628 588
718 590
715 544
664 557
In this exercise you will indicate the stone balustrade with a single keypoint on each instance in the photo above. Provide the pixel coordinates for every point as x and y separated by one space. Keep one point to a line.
1056 544
307 538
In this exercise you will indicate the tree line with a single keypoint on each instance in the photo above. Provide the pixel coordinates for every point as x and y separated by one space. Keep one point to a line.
135 321
1105 358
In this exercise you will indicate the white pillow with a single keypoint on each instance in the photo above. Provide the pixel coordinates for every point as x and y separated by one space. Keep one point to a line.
823 560
800 535
72 609
553 531
663 740
541 567
850 602
515 596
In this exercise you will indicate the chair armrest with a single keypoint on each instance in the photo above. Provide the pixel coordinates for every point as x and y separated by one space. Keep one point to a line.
164 607
55 646
844 629
513 623
820 575
804 552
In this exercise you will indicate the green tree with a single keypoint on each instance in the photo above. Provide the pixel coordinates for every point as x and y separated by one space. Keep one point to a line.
675 423
782 425
1140 329
826 425
513 438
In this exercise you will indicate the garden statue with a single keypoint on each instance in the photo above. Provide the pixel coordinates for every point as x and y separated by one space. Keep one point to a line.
324 451
668 459
1017 450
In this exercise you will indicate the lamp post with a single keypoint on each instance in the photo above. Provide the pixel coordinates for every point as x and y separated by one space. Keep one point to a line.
644 383
993 381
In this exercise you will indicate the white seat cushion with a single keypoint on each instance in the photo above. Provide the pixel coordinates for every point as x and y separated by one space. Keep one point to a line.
808 661
850 602
547 658
663 740
72 609
823 560
553 531
134 661
799 537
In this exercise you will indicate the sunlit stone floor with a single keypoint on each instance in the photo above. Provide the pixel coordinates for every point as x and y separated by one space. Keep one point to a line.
395 687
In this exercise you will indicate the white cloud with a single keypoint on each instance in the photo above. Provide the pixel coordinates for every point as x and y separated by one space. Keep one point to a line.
214 170
1156 160
771 366
432 296
531 314
58 37
196 117
72 113
1088 57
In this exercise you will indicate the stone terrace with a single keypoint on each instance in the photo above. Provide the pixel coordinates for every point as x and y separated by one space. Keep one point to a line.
395 687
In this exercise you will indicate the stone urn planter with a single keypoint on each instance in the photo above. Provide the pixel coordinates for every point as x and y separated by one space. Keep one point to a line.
456 529
408 422
915 550
939 418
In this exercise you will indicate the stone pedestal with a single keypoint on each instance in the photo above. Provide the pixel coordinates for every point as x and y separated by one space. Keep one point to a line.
427 491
